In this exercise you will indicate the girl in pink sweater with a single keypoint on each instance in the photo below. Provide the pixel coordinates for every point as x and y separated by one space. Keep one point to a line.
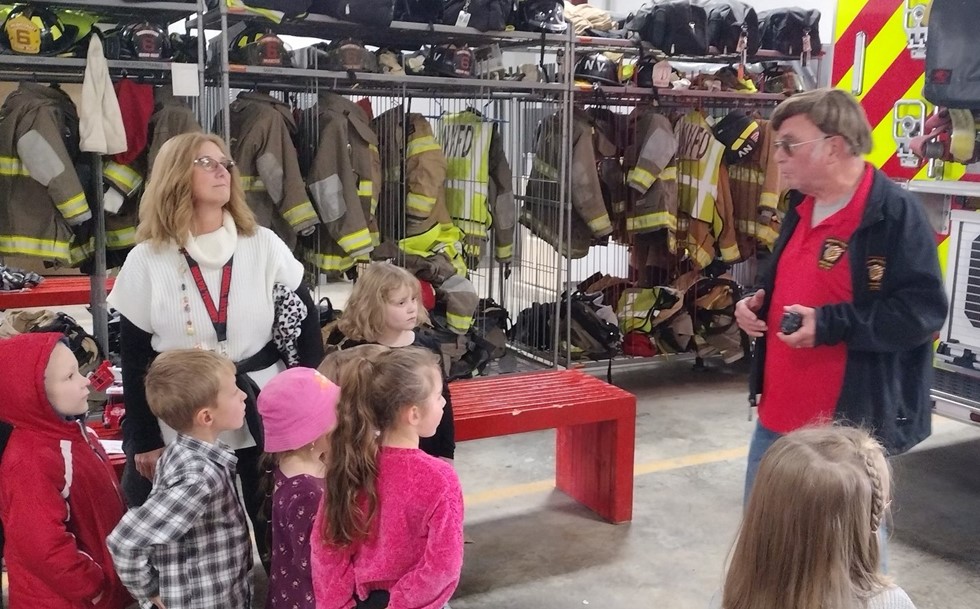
390 530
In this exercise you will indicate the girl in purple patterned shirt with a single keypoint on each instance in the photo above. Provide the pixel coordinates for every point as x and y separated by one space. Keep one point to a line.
299 410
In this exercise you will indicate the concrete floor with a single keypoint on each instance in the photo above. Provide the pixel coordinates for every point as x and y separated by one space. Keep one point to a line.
536 548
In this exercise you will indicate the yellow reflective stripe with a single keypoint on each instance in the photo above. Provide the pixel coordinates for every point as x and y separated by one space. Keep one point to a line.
544 169
29 246
302 213
655 220
372 148
11 166
766 235
701 255
459 323
419 205
642 178
365 188
123 176
124 237
668 174
731 253
422 144
770 200
375 238
505 252
252 183
356 243
74 206
744 135
600 226
471 227
740 173
329 262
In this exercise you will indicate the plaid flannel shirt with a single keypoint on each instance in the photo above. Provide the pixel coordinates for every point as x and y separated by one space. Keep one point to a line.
189 543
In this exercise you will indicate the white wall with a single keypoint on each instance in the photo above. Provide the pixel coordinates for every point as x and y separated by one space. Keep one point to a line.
827 10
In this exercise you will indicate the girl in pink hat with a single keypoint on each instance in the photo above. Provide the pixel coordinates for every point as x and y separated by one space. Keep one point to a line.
299 410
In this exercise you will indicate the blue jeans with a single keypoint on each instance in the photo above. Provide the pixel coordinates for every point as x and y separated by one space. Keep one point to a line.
762 439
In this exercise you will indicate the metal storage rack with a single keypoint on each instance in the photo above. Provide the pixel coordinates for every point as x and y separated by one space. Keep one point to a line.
14 68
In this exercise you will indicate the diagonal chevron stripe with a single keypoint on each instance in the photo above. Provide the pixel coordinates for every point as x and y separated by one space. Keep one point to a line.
853 17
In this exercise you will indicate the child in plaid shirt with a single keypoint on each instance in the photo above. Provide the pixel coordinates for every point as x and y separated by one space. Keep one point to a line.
188 546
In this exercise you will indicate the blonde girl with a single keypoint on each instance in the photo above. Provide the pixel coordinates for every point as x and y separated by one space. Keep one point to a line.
390 529
385 308
809 537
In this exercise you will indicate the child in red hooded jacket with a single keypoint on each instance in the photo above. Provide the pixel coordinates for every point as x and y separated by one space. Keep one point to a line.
59 499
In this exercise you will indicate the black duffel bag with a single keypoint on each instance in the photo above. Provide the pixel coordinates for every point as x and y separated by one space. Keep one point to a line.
727 21
676 27
485 15
419 11
784 30
952 63
378 13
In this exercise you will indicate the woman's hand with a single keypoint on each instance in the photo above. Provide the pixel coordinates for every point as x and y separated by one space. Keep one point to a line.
146 463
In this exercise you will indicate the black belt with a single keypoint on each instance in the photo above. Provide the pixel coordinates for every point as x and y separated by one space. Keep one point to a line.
267 356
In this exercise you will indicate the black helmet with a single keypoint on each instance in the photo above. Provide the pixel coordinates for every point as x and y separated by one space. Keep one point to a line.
346 56
36 30
542 16
143 40
597 68
183 48
258 47
450 61
740 135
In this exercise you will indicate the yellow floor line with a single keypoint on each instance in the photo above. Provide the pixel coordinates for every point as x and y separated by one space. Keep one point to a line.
640 469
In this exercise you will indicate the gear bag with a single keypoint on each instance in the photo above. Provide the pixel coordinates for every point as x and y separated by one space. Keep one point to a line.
728 21
952 66
788 30
81 343
676 27
485 15
377 13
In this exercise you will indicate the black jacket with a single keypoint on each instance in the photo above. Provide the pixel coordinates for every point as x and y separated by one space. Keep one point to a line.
899 304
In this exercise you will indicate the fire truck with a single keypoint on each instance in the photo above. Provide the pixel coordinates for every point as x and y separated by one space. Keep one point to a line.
879 56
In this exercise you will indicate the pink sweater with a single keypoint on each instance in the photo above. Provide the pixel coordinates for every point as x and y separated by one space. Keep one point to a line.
416 552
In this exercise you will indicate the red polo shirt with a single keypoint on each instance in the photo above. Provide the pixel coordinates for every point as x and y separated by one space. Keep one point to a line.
801 386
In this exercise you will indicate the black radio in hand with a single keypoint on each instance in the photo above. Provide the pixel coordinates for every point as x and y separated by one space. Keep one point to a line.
791 322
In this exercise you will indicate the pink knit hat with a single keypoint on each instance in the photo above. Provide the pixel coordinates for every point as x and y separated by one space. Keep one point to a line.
297 407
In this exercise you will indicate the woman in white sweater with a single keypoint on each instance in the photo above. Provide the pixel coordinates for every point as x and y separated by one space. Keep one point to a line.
810 533
203 276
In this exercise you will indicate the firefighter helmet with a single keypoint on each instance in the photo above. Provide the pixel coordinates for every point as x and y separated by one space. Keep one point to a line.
141 40
36 30
348 56
258 48
740 135
450 61
542 16
597 68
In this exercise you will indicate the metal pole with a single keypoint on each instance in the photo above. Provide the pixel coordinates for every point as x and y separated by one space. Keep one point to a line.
225 103
100 317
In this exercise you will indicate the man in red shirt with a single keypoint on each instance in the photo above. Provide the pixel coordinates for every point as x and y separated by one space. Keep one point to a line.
856 260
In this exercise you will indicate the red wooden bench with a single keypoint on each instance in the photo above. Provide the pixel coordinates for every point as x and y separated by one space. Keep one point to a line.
53 292
595 423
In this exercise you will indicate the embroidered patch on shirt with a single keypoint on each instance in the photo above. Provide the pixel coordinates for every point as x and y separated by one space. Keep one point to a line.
832 251
876 272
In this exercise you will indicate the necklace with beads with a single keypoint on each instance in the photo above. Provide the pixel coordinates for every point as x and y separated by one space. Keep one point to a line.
217 313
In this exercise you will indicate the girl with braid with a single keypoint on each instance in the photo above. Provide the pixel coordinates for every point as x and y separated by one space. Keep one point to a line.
810 534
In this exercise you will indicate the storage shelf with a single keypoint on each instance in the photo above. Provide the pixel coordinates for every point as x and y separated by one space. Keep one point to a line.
399 34
590 44
66 69
630 93
164 11
252 75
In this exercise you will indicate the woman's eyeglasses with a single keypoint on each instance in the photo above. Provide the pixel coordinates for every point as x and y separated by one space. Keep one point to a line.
210 165
788 146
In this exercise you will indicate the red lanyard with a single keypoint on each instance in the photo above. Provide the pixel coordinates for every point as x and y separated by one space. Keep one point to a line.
219 314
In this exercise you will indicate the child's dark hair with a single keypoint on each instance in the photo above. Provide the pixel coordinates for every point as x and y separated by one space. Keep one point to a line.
373 391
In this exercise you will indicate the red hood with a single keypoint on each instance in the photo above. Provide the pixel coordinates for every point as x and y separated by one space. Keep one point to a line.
24 403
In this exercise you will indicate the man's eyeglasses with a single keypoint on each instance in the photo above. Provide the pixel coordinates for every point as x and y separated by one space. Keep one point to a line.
788 146
210 165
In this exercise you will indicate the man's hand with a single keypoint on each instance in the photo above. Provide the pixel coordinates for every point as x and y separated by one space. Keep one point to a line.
806 336
146 463
156 600
745 314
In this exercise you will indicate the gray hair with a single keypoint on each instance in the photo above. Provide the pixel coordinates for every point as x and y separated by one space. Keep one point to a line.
833 111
